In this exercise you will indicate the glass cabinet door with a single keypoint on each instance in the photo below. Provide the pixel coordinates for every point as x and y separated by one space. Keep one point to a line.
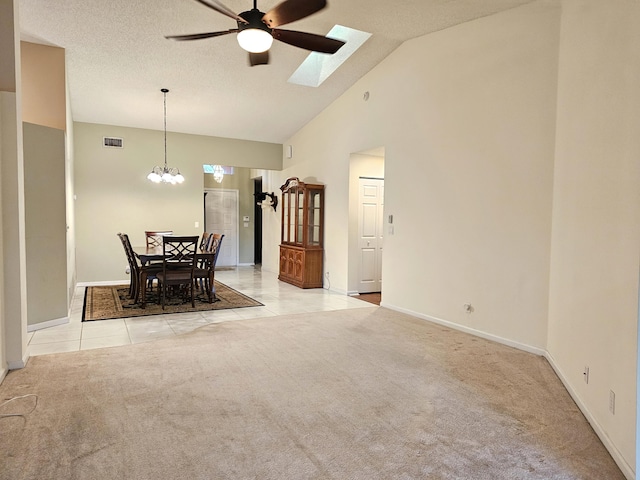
286 214
302 214
292 217
299 215
314 224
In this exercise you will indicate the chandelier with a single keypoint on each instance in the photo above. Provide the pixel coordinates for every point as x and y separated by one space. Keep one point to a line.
218 173
166 174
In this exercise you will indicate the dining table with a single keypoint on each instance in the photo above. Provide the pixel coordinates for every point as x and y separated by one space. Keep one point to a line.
149 254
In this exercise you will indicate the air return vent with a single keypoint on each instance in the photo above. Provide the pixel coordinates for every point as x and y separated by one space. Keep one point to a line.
112 142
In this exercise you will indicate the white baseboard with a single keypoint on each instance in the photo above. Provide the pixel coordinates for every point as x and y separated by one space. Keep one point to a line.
504 341
3 373
336 290
47 324
627 470
103 283
19 364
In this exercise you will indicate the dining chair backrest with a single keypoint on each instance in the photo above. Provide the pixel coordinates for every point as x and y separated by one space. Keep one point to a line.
207 264
214 246
154 238
134 268
204 241
214 243
179 252
128 249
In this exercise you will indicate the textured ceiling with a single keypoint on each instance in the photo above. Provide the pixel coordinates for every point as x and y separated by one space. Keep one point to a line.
118 60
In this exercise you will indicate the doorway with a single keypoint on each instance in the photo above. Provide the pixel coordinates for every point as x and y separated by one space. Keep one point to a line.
257 230
370 234
221 216
365 262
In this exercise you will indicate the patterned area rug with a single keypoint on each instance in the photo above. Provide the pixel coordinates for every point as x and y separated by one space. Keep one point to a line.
112 301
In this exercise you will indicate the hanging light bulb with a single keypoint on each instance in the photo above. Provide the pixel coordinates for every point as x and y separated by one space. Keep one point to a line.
218 173
166 174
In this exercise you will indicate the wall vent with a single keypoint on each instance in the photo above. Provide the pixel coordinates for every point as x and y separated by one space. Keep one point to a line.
112 142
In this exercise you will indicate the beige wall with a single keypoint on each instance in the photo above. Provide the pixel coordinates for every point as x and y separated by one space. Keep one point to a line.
113 194
593 307
43 85
70 194
13 309
47 177
45 224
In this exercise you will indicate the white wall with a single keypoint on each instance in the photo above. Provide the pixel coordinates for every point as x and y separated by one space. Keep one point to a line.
466 116
596 216
113 194
271 182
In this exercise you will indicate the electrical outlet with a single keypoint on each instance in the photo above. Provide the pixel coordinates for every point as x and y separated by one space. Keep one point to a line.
585 374
612 402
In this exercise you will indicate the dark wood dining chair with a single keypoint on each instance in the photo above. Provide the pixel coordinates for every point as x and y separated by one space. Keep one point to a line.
133 267
141 275
178 264
204 241
154 238
205 271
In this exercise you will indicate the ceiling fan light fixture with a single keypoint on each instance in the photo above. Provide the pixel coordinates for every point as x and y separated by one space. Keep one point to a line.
254 36
255 40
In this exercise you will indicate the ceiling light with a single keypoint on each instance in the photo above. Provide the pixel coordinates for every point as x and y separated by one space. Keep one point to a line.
254 36
255 40
166 174
218 173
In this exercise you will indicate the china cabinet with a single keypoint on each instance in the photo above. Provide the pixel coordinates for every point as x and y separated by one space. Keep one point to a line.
301 246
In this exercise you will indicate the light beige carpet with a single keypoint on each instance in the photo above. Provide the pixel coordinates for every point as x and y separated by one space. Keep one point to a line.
356 394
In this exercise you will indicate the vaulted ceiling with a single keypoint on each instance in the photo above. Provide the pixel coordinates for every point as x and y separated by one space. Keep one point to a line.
118 60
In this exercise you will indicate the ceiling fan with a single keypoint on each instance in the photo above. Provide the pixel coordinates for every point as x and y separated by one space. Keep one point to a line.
256 30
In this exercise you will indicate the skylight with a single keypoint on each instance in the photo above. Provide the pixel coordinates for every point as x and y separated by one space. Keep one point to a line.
317 67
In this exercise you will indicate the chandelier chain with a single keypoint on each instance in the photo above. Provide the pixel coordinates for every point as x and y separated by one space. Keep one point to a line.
166 174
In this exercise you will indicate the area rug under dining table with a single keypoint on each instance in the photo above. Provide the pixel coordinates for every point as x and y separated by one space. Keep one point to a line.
112 301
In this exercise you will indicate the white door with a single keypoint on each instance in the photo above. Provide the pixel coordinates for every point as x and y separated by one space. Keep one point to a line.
370 225
221 214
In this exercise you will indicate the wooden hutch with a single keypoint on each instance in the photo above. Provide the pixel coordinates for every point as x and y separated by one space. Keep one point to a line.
301 246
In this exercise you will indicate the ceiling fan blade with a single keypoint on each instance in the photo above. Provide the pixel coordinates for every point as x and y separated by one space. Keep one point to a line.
292 10
223 9
259 58
308 41
200 36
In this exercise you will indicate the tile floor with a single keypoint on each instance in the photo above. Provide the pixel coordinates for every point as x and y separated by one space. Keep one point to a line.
279 298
